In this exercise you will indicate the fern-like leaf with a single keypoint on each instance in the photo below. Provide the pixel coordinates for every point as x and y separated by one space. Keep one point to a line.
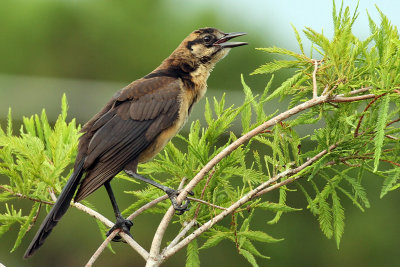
380 130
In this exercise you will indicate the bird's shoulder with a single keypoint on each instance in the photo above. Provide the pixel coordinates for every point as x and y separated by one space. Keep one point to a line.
147 98
157 88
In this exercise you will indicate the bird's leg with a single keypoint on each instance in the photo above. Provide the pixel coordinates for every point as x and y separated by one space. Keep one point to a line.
172 193
121 223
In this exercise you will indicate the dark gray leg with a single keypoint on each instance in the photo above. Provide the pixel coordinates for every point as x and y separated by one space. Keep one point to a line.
121 223
172 193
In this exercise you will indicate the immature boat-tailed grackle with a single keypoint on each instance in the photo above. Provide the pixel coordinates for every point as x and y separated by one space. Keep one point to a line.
137 123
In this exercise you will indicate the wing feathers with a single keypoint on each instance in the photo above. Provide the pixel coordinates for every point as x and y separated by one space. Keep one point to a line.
140 113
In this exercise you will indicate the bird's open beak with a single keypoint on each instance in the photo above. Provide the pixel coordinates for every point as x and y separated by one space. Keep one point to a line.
223 42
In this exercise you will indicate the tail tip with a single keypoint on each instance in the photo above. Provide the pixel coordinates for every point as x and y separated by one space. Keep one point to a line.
30 251
27 254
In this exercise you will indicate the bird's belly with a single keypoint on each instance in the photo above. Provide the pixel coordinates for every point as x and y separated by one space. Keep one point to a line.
163 138
187 99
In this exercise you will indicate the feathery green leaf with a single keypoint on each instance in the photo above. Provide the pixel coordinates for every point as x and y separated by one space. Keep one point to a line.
380 130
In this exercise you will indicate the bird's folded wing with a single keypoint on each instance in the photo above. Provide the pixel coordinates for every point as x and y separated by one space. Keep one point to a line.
139 114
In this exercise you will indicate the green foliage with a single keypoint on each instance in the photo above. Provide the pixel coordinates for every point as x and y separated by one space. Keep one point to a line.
35 162
356 137
347 64
380 130
192 258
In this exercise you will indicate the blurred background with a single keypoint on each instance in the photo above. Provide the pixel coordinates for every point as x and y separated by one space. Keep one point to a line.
90 49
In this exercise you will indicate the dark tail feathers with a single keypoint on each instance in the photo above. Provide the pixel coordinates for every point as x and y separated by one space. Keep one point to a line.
59 209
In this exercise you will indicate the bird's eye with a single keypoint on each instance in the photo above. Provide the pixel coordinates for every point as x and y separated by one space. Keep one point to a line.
207 39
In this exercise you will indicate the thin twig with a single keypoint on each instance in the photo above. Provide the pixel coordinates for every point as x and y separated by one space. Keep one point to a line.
365 110
135 245
234 226
206 203
203 192
385 160
147 206
326 90
25 197
341 99
349 164
361 90
391 137
34 218
52 194
314 78
153 259
93 213
128 240
394 121
85 209
100 249
181 234
110 224
126 237
383 151
300 168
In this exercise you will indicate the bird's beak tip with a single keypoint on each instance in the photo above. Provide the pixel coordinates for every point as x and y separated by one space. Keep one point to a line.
223 42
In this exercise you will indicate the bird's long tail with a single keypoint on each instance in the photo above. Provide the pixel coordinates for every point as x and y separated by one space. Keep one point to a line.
59 209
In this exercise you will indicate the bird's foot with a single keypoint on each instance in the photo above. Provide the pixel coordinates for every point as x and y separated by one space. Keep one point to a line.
179 208
124 225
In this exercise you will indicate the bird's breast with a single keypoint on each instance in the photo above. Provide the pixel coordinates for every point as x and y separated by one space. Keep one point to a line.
187 98
199 79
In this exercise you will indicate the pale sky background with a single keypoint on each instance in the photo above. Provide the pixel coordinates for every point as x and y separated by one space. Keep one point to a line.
316 14
270 20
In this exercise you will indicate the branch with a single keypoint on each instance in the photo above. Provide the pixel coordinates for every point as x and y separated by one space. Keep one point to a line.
147 206
24 196
85 209
384 160
155 258
110 224
314 78
206 203
99 217
326 90
34 219
261 189
203 192
391 137
93 213
340 99
277 119
181 234
127 238
100 249
362 116
394 121
361 90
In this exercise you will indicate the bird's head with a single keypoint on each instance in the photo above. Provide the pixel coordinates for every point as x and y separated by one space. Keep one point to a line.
205 46
211 45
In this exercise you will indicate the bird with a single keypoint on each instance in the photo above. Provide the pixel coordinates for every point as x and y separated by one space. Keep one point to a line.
136 124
